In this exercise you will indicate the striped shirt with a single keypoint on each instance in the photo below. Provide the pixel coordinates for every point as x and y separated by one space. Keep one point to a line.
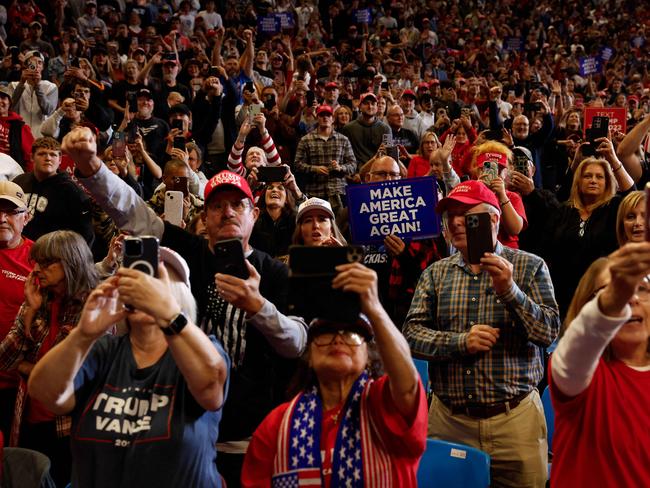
236 165
450 299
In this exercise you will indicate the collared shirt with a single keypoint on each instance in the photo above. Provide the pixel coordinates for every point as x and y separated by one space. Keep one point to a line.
314 150
450 299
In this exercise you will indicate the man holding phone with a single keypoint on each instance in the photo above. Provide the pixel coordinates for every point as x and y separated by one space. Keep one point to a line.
324 157
483 328
245 315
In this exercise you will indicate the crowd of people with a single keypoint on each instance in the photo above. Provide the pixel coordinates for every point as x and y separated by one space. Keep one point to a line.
260 117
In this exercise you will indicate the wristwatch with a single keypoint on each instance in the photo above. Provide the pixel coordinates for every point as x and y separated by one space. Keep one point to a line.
176 325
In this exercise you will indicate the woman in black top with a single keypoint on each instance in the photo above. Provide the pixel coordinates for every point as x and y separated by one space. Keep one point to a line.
584 228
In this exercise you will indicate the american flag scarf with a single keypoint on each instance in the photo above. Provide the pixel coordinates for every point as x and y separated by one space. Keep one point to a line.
359 457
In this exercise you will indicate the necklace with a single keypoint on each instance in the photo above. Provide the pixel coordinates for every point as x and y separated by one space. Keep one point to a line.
581 231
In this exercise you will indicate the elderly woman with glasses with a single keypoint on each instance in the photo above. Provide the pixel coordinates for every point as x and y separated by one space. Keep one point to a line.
419 164
55 291
349 425
599 376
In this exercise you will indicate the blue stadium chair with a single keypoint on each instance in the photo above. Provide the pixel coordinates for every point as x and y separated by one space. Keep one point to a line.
423 370
450 465
550 416
550 425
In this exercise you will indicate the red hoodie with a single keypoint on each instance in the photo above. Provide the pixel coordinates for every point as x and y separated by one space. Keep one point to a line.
24 140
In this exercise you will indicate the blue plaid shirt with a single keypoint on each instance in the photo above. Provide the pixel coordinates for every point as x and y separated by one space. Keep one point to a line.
450 299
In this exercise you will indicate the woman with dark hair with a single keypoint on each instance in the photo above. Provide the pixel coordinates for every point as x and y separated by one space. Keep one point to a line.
371 428
276 223
55 291
599 376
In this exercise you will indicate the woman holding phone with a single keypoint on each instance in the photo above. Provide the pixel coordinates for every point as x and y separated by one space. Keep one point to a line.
145 406
584 228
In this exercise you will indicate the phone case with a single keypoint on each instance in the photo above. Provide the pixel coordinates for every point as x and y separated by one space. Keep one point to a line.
231 259
271 174
491 169
145 258
174 207
311 272
478 231
119 144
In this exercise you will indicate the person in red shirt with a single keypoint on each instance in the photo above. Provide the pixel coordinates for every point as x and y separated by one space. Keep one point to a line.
599 376
15 267
16 137
490 165
347 427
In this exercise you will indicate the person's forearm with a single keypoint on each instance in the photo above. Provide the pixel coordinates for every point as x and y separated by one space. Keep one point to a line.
203 368
18 93
235 159
576 357
624 180
51 125
272 154
631 142
47 101
396 357
122 203
153 167
511 220
286 334
537 310
52 379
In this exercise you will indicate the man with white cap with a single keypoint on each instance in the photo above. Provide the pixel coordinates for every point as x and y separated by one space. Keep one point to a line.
483 327
244 314
14 269
32 97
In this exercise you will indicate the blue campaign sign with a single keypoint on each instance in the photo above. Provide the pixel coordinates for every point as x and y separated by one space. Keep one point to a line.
402 207
362 16
514 44
286 20
606 53
589 65
268 24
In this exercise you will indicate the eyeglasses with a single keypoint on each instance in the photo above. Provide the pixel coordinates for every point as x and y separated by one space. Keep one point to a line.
14 212
348 337
386 174
239 206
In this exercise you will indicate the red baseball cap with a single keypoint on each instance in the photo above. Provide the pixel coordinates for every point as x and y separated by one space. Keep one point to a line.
324 109
227 179
363 97
409 93
331 84
435 81
471 192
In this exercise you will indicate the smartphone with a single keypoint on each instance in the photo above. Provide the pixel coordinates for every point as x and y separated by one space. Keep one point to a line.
230 258
393 152
119 144
599 128
174 207
269 103
387 139
75 63
169 57
521 164
384 85
466 111
131 133
214 71
311 97
177 124
272 174
179 142
133 103
179 184
141 253
311 271
490 168
14 51
478 229
248 86
532 107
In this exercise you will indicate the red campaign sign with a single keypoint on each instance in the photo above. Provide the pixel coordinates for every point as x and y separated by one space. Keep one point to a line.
617 117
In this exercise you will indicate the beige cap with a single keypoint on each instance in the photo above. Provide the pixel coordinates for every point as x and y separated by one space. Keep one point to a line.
12 192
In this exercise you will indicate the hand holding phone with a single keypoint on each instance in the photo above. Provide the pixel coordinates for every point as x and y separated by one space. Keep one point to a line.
489 171
142 254
230 258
